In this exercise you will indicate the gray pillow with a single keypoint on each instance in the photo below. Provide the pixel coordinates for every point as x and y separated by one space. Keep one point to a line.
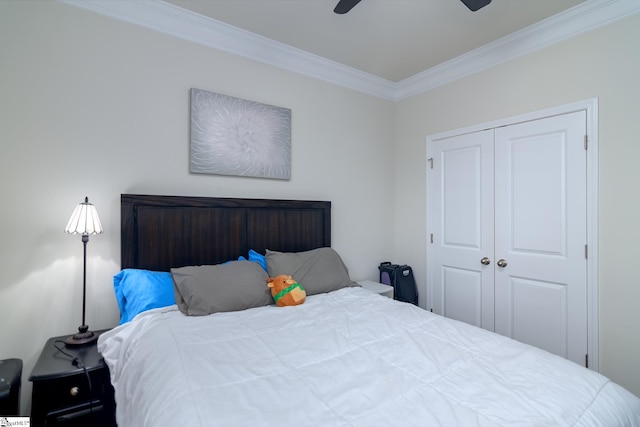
232 286
318 270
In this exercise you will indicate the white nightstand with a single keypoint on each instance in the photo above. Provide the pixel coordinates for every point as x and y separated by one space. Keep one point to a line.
379 288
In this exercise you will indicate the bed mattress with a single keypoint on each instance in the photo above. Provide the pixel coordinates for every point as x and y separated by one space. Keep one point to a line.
345 358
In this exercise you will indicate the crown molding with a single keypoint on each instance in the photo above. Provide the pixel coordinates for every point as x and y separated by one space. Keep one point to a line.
572 22
187 25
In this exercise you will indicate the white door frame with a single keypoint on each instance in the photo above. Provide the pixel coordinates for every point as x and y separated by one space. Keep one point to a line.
590 106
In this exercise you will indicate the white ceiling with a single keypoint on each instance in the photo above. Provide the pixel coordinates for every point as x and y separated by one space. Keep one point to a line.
391 39
392 49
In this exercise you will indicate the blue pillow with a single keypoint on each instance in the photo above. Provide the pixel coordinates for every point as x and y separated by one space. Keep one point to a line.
259 258
142 290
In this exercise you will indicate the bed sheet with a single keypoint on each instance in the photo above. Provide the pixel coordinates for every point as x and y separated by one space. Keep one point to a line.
346 358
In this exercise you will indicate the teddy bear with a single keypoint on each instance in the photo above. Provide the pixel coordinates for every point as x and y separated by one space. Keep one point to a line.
286 291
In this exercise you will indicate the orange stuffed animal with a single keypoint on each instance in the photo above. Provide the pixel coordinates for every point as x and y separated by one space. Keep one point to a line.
286 291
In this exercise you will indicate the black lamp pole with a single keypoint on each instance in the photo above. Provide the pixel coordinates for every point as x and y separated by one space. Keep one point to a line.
84 335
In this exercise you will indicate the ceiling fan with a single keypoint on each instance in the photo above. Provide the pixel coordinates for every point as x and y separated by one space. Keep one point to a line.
345 6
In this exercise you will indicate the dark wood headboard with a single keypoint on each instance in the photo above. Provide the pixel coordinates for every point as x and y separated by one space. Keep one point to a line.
161 232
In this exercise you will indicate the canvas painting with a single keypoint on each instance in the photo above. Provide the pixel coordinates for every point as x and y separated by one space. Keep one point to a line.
232 136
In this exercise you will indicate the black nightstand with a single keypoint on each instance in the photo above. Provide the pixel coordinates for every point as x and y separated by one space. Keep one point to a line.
65 394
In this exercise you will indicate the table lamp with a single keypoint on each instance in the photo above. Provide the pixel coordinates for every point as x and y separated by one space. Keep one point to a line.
84 221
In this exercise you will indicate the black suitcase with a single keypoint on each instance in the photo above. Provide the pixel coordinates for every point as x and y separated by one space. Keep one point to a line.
402 280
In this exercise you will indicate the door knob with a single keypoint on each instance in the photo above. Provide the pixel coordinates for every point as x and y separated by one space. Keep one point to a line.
502 263
485 261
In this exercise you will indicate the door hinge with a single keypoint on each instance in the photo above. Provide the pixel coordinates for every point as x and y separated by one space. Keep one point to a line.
586 251
586 142
432 238
430 160
586 361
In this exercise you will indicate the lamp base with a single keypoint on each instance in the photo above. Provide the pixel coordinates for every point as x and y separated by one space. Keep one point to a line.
83 337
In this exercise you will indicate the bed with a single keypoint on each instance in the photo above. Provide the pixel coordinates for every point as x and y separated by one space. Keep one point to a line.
208 350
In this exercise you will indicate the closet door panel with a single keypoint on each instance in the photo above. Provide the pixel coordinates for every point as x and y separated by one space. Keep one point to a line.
540 199
463 224
531 298
462 294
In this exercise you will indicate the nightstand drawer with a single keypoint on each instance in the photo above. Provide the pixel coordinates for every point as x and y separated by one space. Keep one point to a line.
67 391
88 414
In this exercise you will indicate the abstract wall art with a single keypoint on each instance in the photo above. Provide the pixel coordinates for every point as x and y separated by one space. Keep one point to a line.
232 136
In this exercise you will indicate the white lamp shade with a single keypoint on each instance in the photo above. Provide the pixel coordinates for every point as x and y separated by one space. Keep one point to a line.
84 220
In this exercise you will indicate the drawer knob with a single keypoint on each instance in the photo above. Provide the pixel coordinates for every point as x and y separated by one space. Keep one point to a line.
74 391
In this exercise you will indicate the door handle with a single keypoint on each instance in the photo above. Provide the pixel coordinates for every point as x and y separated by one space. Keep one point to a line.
502 263
485 261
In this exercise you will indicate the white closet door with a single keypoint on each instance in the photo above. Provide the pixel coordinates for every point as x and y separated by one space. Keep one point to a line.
540 233
462 207
508 219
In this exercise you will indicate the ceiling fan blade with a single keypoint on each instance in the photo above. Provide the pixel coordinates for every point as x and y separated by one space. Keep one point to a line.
474 5
345 6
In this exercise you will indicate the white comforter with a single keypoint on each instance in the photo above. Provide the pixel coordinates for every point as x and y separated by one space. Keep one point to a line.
347 358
